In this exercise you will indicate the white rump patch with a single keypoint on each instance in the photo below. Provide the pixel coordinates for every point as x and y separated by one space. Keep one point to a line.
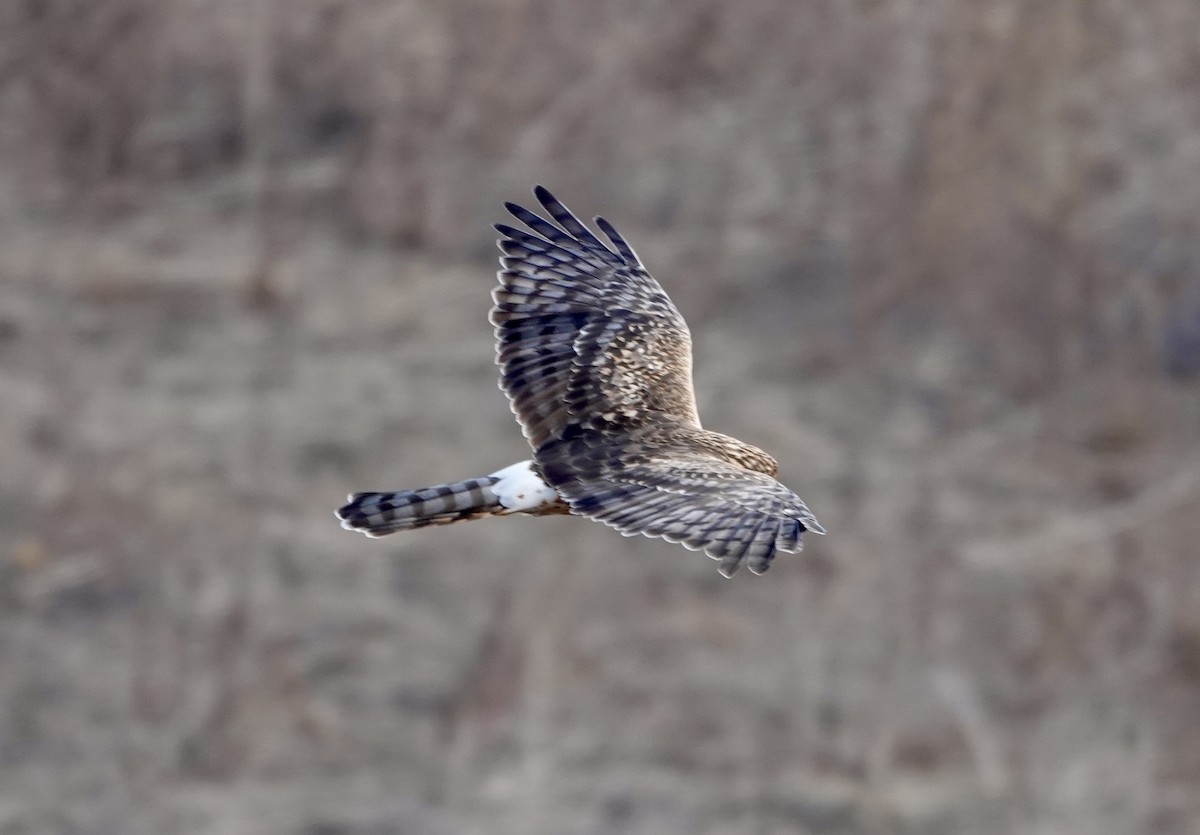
521 490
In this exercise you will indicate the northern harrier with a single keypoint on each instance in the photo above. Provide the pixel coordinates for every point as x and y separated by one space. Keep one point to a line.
597 365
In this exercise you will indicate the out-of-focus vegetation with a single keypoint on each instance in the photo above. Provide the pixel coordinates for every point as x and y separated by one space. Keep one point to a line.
942 259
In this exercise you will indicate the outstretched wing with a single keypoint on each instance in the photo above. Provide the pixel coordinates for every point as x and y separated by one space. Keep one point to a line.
651 485
585 336
597 364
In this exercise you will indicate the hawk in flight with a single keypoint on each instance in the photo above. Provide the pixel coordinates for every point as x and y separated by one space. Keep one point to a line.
597 365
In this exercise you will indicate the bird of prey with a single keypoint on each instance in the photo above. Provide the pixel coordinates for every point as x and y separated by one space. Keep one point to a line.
597 365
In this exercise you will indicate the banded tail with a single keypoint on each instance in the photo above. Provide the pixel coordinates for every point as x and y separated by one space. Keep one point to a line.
515 489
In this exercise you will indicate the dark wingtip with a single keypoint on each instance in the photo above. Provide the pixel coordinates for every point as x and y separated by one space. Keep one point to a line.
618 241
544 196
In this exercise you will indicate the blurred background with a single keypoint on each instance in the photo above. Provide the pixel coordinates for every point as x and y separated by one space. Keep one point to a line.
941 258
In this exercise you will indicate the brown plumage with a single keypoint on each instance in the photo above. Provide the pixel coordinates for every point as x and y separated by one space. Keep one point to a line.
597 364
